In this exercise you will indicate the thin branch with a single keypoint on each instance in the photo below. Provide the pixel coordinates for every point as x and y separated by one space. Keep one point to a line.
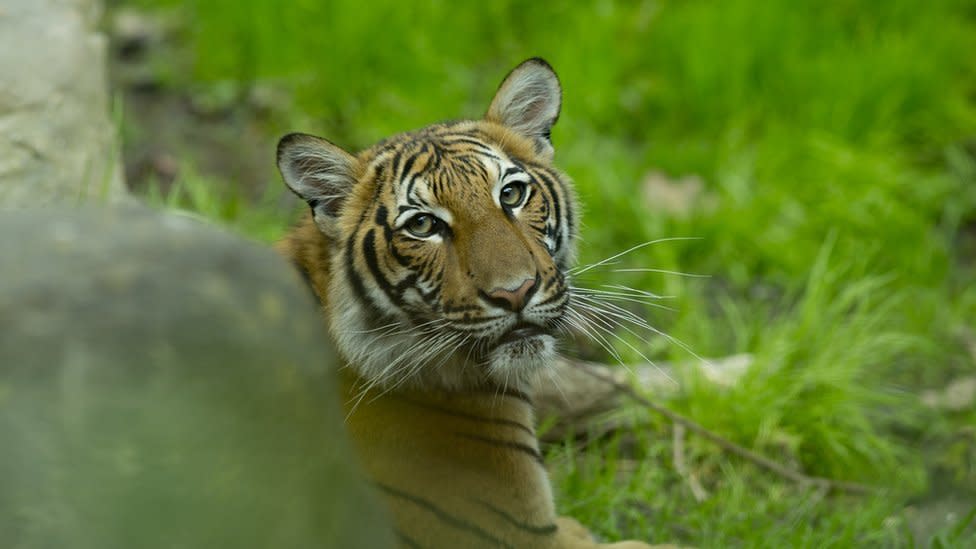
729 446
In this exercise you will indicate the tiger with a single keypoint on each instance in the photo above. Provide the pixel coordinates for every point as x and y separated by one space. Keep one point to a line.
440 260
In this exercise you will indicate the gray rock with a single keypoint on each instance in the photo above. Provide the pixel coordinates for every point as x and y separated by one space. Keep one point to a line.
57 140
164 384
958 396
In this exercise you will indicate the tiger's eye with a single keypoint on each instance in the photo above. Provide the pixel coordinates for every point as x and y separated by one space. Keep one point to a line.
512 195
423 225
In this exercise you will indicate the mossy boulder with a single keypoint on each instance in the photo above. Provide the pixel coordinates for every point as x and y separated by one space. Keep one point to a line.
165 384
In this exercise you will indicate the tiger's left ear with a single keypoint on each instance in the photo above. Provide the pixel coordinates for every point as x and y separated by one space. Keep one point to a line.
320 173
528 102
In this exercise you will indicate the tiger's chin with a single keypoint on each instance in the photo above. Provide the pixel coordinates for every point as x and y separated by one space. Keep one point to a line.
512 364
515 362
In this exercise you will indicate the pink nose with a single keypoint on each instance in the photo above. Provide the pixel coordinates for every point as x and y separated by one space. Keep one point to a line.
513 300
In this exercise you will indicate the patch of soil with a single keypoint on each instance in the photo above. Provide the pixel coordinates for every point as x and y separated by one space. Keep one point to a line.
221 130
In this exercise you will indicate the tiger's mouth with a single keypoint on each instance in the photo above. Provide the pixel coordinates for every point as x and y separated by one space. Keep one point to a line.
521 332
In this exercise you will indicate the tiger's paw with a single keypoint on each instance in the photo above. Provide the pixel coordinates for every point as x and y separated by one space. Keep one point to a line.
641 545
574 535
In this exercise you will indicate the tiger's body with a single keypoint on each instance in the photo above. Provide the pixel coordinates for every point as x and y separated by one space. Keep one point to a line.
439 257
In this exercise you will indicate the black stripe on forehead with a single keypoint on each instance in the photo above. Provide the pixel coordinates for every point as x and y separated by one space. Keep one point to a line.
464 142
409 161
395 163
452 173
469 165
407 166
408 192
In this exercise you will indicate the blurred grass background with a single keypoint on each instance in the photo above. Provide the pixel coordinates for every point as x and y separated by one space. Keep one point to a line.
823 154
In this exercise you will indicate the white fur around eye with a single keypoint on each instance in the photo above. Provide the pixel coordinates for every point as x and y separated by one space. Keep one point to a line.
409 210
507 173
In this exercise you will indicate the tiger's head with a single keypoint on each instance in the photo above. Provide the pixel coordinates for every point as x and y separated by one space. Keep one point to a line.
447 247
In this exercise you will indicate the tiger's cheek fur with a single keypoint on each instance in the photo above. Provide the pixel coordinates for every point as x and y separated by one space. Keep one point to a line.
419 268
392 276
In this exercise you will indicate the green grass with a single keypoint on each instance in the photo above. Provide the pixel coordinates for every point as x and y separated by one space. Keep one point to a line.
835 146
266 218
744 508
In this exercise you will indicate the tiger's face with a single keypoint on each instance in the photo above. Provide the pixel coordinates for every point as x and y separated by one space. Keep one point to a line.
448 245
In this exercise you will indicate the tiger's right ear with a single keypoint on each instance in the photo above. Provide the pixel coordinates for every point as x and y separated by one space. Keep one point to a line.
528 102
319 172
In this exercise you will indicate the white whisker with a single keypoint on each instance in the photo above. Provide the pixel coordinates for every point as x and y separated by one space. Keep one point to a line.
583 324
580 270
379 329
627 290
604 296
662 271
608 324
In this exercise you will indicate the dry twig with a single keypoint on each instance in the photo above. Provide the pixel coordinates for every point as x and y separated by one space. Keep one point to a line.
822 483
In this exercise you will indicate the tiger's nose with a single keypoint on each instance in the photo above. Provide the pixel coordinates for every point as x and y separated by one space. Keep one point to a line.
513 300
